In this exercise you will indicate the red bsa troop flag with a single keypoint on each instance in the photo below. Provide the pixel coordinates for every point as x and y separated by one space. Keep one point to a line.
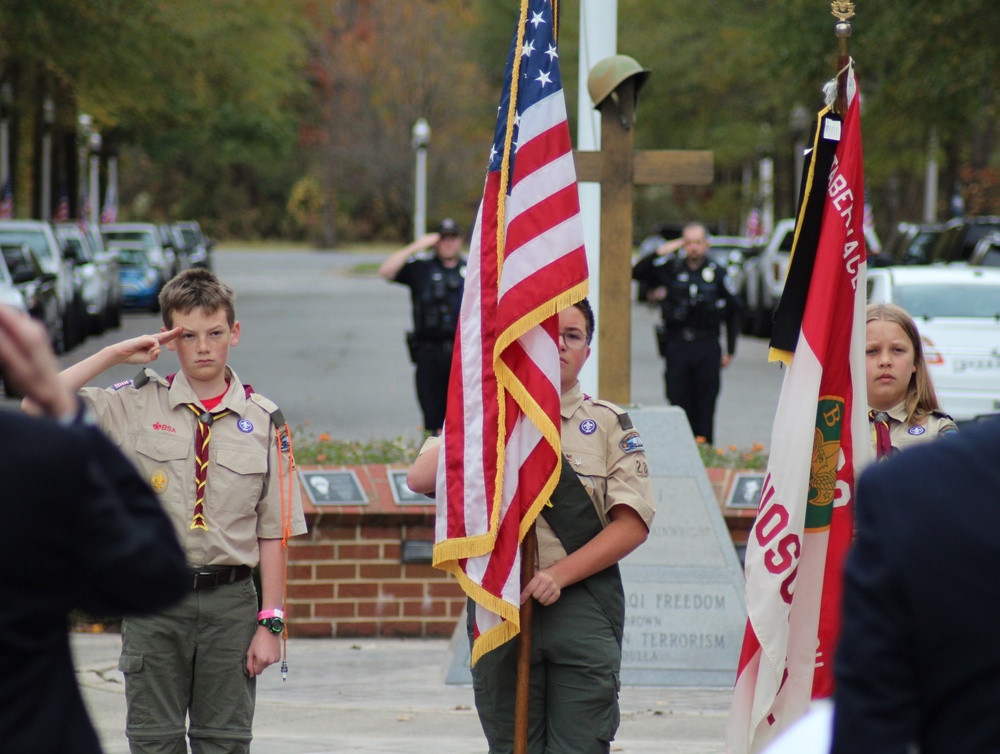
820 441
502 449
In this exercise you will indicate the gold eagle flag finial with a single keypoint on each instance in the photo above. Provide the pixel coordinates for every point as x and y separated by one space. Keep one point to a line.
842 9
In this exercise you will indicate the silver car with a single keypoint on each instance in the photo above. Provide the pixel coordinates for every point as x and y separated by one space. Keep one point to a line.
160 256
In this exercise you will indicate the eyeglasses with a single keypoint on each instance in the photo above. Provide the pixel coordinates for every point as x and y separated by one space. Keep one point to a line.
574 339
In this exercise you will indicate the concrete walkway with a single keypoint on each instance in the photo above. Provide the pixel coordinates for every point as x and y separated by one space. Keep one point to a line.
388 696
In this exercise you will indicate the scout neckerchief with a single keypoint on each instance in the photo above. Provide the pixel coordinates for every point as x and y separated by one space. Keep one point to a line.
883 445
205 421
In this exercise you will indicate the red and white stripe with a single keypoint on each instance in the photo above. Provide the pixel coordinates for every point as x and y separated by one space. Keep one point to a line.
501 454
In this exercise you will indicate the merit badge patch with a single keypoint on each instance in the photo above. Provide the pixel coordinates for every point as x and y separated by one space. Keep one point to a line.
631 443
158 480
245 426
916 430
588 426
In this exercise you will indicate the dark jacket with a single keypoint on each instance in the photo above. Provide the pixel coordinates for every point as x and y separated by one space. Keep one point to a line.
919 660
698 301
81 530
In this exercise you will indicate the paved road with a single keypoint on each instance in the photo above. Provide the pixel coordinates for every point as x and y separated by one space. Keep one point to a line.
388 696
326 344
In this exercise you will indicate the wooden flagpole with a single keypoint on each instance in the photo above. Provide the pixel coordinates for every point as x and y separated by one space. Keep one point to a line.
529 549
843 10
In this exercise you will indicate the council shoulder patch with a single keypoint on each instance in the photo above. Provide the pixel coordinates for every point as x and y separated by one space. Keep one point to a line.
631 443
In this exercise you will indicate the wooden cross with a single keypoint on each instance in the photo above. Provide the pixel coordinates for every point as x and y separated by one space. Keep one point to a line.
618 167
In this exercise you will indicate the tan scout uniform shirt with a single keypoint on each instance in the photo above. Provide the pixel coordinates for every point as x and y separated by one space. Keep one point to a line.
154 427
903 435
609 460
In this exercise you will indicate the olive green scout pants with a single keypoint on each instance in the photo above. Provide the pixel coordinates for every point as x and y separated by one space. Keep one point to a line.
191 658
575 665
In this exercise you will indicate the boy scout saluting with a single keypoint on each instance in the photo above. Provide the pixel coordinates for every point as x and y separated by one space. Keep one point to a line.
208 446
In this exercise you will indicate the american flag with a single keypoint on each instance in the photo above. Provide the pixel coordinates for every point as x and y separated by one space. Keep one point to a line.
7 199
820 441
61 214
502 449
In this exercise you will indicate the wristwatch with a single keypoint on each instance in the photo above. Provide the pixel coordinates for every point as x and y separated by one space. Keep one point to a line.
272 620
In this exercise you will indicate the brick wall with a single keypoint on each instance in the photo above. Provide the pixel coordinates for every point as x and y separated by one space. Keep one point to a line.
346 577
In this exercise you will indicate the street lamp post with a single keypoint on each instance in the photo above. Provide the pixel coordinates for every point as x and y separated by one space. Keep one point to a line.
84 125
6 100
95 168
798 123
48 120
421 138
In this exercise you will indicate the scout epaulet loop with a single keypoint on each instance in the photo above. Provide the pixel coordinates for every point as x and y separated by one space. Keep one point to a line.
624 420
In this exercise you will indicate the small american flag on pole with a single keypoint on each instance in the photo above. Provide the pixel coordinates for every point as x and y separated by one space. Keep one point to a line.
502 449
7 199
61 214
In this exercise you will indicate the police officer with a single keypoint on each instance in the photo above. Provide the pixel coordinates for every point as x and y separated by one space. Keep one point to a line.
436 284
696 298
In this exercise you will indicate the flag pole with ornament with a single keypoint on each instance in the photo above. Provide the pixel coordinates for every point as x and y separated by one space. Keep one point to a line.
820 438
502 449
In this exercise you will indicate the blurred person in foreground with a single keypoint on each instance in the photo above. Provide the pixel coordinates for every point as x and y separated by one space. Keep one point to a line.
436 282
918 664
596 517
82 530
903 407
696 298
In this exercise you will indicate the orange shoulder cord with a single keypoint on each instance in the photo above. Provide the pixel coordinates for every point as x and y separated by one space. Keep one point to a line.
286 532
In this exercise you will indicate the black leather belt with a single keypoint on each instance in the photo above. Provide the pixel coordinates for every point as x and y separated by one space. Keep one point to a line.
211 577
689 334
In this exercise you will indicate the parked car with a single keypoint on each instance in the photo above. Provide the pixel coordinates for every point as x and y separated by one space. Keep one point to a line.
196 247
107 261
959 238
765 276
139 278
162 258
987 251
90 288
731 253
55 260
9 296
910 244
9 293
957 311
37 288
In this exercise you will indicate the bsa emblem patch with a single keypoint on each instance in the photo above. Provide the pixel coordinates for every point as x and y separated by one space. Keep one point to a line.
588 426
631 443
916 430
245 426
158 480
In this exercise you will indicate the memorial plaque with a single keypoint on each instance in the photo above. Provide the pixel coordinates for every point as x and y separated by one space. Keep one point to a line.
326 488
685 613
745 492
401 492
